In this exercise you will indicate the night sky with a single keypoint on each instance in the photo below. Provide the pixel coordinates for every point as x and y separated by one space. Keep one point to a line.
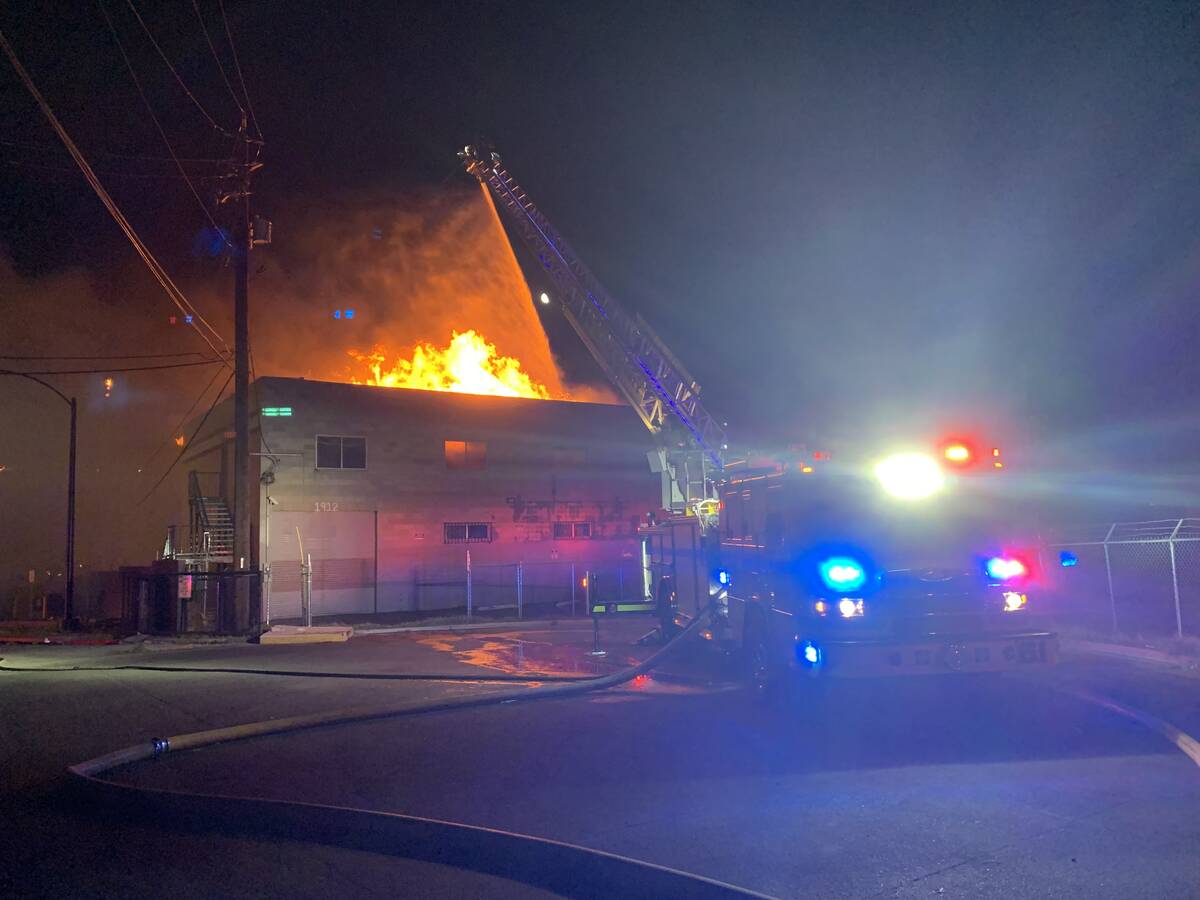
847 219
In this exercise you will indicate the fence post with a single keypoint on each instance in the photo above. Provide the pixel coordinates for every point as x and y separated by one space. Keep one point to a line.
1175 579
520 589
572 590
1112 599
468 585
306 590
266 595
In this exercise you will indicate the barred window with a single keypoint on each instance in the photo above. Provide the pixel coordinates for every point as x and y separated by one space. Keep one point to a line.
466 533
566 531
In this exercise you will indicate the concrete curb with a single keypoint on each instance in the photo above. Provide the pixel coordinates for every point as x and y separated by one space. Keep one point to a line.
506 625
300 634
1139 654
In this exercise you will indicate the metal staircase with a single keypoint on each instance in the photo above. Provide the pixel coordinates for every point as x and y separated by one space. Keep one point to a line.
211 532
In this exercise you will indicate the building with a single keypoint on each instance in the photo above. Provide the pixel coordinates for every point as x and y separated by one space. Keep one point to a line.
397 494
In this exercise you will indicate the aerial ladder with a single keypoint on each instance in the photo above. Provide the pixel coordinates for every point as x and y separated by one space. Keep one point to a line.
690 441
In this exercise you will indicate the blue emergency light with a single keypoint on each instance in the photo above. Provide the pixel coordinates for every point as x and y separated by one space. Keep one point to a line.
843 573
808 653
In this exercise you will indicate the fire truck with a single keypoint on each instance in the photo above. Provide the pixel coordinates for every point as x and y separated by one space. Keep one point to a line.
867 562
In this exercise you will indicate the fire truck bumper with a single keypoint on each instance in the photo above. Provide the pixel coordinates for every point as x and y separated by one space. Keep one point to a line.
934 656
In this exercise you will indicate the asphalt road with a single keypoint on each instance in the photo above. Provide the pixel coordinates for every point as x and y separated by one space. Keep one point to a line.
930 787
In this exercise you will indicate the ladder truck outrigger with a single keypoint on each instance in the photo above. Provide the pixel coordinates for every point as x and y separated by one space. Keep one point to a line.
855 564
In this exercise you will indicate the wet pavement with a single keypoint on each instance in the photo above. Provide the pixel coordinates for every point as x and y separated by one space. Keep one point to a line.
923 787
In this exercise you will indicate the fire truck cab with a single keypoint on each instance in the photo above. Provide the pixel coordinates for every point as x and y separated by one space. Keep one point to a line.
826 568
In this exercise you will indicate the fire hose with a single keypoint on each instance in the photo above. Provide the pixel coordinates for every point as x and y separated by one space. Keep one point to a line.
298 673
563 868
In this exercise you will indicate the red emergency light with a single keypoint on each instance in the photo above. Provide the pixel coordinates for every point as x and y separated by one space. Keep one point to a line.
958 453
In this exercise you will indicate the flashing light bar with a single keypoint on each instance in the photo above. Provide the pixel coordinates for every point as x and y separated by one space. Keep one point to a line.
957 453
1002 568
276 411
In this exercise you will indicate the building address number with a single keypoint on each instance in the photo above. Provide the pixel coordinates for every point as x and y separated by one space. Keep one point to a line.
324 506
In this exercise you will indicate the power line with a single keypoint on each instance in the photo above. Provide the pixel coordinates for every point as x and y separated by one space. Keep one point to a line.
153 118
217 59
143 176
182 422
187 443
43 148
182 365
110 356
237 66
182 84
173 292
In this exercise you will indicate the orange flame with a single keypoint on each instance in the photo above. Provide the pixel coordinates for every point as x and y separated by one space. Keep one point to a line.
469 364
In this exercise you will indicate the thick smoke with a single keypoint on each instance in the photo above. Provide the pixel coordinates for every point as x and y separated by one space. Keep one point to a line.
413 270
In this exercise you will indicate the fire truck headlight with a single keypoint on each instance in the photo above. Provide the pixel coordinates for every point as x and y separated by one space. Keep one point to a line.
1014 601
910 476
850 608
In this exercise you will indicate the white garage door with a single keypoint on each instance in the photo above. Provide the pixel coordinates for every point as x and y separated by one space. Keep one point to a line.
342 547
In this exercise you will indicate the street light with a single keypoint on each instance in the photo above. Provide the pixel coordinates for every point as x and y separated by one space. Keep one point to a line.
69 602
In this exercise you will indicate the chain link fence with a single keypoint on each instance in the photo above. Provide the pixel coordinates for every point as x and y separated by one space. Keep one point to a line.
561 587
1130 577
190 602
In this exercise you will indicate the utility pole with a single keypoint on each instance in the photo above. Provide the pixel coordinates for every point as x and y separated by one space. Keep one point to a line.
69 601
242 242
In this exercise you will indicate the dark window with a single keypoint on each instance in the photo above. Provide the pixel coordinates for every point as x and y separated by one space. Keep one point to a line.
466 533
354 453
336 452
329 452
465 454
565 531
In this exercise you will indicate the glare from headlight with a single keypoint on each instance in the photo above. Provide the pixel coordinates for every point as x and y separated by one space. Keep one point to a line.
910 476
1014 601
850 608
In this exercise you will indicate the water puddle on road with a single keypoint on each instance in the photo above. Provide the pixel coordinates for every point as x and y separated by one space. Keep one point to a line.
514 656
